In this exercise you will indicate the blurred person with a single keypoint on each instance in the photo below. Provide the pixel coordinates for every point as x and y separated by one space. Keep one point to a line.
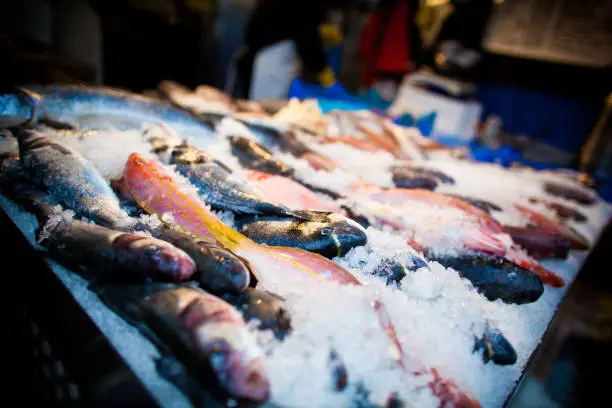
301 21
389 45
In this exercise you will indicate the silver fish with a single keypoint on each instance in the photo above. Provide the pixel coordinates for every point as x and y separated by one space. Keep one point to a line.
102 107
69 177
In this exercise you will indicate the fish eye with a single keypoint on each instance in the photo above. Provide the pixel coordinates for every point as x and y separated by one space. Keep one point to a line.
326 230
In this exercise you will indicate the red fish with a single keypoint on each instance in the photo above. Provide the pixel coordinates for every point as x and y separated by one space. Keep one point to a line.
285 191
539 220
547 277
363 145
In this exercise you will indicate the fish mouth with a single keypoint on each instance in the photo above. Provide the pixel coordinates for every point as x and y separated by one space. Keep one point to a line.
345 235
250 381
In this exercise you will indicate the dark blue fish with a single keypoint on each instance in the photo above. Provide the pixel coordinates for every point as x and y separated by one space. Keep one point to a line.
495 347
495 278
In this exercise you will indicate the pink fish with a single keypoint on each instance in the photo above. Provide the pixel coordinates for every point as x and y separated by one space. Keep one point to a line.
285 191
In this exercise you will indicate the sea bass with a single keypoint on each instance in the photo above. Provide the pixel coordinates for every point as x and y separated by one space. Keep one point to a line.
69 177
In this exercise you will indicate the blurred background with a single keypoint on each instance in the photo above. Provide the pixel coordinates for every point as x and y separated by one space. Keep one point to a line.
517 81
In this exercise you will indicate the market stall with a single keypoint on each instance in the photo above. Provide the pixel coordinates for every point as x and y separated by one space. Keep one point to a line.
387 268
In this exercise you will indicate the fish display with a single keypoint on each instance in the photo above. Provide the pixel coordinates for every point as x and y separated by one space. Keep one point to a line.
270 279
69 177
220 189
324 233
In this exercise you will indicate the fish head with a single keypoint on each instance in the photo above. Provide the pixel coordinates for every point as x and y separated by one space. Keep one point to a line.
230 270
339 232
245 379
185 154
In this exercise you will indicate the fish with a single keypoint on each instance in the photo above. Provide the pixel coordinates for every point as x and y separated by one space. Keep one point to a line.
562 211
484 205
110 254
99 251
219 188
217 269
253 156
403 195
538 220
407 178
290 142
495 347
206 110
363 145
205 332
578 194
428 229
265 307
548 277
104 106
495 277
17 108
405 167
69 177
288 192
394 271
322 232
155 191
540 242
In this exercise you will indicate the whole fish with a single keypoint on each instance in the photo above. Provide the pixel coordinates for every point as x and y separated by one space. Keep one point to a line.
322 232
484 205
540 242
495 347
75 104
69 177
407 178
406 168
562 211
538 220
205 332
112 254
252 155
580 195
495 278
265 307
399 195
220 189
